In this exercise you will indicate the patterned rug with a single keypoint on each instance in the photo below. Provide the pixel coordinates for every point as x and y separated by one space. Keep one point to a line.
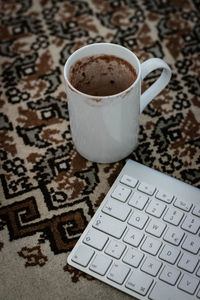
48 191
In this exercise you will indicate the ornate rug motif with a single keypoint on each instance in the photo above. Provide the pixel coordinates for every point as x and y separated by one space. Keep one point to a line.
48 191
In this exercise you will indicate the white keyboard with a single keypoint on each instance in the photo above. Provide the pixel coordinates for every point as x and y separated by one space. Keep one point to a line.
144 239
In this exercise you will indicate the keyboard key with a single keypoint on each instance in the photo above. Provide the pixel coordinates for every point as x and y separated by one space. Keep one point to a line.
192 244
188 284
155 227
138 219
121 193
170 275
169 254
128 180
173 235
138 200
196 211
139 282
166 197
146 188
109 225
100 264
95 239
188 262
186 206
118 273
160 289
198 294
198 272
156 208
115 249
116 209
151 266
83 255
133 257
151 245
191 224
133 237
173 216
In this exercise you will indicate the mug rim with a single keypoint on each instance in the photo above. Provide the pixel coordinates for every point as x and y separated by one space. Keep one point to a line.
76 52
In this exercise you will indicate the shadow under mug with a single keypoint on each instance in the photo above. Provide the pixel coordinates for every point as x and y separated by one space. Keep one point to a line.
105 129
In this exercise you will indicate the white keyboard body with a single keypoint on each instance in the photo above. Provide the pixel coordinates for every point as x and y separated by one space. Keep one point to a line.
144 239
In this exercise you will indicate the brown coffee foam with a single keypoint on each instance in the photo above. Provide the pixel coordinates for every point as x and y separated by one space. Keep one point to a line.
102 75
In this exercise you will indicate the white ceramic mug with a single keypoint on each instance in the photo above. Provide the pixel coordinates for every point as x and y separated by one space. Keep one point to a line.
105 129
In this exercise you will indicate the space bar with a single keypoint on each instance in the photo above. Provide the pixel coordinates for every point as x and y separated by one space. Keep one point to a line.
166 292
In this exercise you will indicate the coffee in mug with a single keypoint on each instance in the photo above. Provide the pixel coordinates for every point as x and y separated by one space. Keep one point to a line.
102 75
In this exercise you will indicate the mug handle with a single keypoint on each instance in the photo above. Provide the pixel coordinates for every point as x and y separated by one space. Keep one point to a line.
146 68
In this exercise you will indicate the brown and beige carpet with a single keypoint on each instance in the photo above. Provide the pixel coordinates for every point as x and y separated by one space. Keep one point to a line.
48 191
